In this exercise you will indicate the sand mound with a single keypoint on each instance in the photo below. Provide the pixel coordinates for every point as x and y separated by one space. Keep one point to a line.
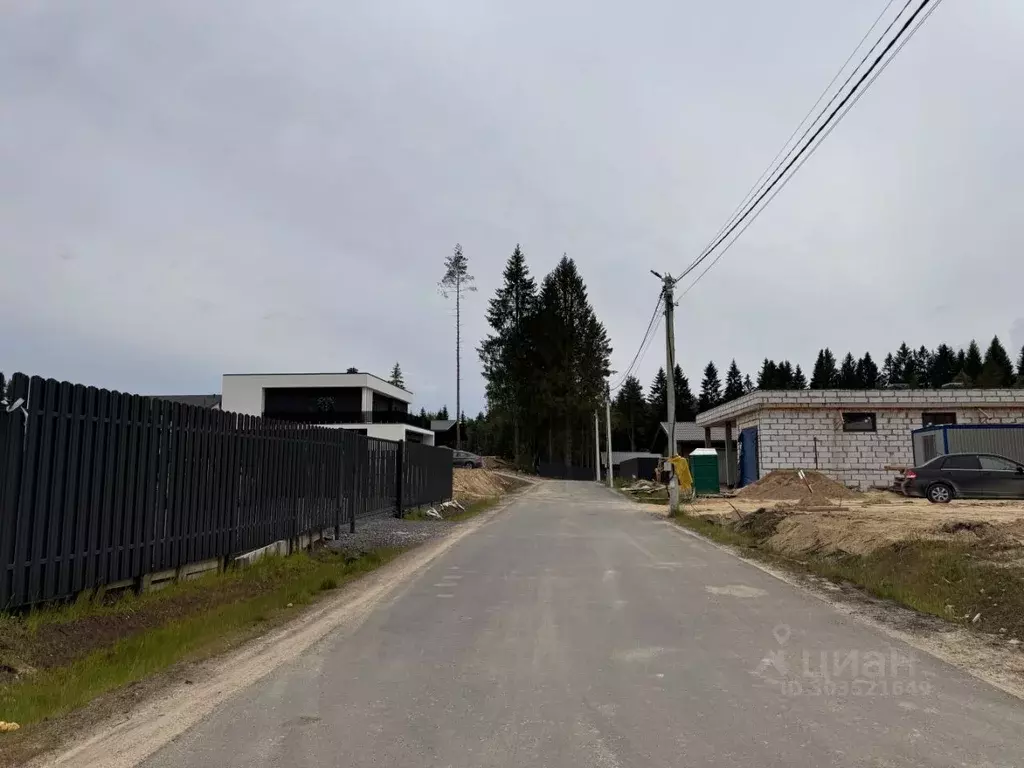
479 483
786 484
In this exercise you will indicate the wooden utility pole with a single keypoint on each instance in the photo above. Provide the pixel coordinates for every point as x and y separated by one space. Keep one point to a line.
608 430
668 298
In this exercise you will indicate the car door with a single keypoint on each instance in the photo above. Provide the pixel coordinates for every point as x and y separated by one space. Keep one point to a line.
963 471
1001 477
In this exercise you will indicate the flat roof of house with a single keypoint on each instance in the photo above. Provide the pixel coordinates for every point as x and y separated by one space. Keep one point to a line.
867 399
324 373
689 432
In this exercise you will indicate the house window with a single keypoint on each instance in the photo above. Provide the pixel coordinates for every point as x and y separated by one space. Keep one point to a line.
858 422
934 418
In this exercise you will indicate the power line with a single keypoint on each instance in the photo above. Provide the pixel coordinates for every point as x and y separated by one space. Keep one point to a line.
814 149
643 341
772 167
774 183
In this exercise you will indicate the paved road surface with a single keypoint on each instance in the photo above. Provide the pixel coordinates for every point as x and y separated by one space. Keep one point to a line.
574 630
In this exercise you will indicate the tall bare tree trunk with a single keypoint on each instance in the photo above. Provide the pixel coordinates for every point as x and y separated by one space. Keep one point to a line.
568 440
515 436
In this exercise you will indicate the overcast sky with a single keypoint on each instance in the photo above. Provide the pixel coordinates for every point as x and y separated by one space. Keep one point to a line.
190 188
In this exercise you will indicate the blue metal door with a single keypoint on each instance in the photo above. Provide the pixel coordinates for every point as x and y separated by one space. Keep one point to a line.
748 456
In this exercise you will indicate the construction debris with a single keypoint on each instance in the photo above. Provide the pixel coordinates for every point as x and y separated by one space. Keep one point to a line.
643 486
8 727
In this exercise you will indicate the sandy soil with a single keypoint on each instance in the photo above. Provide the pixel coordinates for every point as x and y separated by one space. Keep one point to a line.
470 484
876 520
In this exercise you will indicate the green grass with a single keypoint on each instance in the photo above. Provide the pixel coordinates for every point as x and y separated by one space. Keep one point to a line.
277 586
945 579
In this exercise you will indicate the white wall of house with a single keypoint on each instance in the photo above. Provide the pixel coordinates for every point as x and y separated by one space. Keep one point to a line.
395 432
804 429
243 392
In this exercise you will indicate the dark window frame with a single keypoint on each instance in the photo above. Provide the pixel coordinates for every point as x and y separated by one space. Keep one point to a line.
850 418
961 456
933 422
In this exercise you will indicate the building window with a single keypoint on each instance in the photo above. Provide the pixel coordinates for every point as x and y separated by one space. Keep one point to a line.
859 422
935 418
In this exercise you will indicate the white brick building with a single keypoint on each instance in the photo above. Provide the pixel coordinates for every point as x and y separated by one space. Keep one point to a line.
850 435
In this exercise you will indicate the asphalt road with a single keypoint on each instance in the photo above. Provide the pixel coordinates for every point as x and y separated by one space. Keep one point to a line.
575 630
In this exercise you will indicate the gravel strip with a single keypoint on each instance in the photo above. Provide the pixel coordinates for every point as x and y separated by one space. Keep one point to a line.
376 532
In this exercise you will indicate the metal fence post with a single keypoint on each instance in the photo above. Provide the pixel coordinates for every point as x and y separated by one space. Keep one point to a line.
399 477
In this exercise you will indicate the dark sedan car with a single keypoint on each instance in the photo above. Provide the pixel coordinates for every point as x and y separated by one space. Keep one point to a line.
966 476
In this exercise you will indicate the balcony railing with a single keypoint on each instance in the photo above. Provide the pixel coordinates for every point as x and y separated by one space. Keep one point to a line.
352 417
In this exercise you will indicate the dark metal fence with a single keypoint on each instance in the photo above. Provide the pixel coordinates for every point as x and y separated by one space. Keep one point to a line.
98 487
563 472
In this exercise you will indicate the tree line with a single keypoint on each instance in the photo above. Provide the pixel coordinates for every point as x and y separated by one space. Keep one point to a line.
637 417
545 363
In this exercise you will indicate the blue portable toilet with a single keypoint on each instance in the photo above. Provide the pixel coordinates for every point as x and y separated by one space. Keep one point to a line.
748 456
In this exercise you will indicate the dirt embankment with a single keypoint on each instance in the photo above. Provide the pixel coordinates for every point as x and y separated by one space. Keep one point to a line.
828 518
473 484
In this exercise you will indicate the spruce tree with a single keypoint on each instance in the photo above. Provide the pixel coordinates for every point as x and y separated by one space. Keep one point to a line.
824 375
943 366
848 378
1020 368
767 377
733 383
784 375
799 380
867 373
748 385
710 389
997 369
507 354
396 379
686 405
630 410
889 374
973 363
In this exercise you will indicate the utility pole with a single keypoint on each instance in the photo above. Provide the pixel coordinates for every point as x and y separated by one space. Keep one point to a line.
608 430
597 448
668 297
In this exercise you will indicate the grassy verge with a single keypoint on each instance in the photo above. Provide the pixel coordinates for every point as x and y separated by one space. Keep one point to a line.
110 646
950 580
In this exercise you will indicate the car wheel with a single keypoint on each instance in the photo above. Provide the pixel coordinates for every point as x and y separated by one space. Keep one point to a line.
469 465
940 493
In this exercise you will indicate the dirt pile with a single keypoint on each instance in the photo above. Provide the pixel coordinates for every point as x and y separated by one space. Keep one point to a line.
480 483
785 484
761 522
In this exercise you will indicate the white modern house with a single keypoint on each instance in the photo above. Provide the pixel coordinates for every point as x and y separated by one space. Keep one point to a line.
358 401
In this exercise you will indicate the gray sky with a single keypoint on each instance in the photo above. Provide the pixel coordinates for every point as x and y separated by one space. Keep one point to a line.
191 188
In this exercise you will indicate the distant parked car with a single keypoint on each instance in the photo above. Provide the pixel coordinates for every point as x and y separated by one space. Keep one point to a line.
966 476
467 460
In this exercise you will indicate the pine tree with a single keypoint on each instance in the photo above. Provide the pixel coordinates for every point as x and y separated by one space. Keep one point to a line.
457 281
961 361
396 379
943 366
507 352
799 380
442 414
867 373
824 375
848 378
748 385
997 369
768 375
686 405
923 365
973 363
630 409
784 375
710 389
1020 368
733 383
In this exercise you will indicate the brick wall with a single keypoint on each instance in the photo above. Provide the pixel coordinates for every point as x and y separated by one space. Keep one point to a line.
795 423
